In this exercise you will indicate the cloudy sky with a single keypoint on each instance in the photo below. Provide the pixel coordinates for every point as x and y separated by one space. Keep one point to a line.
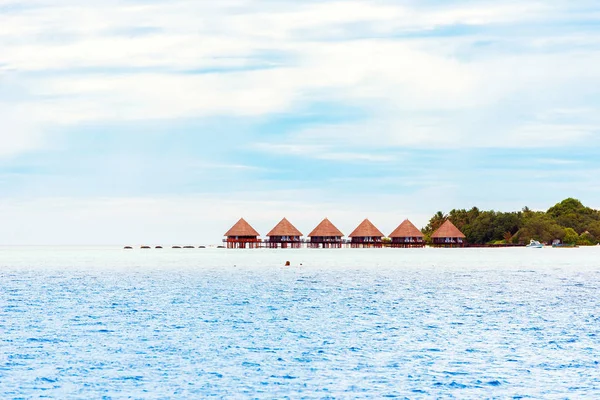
154 121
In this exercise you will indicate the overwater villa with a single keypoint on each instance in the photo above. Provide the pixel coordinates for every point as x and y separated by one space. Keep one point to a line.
284 235
366 235
242 236
407 235
448 235
326 235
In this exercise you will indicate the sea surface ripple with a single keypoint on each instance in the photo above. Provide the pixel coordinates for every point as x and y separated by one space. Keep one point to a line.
103 323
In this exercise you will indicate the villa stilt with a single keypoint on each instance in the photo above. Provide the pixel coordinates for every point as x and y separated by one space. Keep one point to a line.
407 235
448 235
284 235
326 235
242 236
366 235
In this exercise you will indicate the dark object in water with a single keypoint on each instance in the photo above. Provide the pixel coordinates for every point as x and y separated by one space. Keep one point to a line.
158 247
188 247
128 248
146 247
287 263
565 246
176 247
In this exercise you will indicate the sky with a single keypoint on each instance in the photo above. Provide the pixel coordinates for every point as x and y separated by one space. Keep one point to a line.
164 122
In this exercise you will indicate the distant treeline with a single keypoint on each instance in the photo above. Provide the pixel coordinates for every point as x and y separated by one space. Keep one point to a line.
569 221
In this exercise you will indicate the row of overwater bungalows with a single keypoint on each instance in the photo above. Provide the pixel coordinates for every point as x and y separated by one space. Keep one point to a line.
285 235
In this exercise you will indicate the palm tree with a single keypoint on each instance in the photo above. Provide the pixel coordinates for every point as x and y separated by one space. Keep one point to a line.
435 222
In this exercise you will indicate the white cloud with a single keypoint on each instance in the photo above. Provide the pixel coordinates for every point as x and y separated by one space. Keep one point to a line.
417 92
68 62
19 132
324 152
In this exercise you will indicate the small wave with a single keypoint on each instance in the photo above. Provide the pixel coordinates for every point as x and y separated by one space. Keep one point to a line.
130 378
455 373
250 364
43 340
287 376
47 380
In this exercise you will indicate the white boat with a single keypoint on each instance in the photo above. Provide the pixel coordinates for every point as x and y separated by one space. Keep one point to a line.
535 244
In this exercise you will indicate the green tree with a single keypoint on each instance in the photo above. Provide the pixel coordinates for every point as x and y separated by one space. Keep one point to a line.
594 230
571 237
492 226
462 218
435 222
481 230
571 213
539 226
427 238
586 239
481 227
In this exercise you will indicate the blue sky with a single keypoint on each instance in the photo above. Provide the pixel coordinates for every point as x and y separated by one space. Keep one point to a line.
165 121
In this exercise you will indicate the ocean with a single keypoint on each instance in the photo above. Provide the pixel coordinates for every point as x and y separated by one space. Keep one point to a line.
102 322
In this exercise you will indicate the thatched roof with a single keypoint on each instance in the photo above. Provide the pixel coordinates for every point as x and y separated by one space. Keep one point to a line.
366 229
326 228
242 228
448 230
284 228
406 229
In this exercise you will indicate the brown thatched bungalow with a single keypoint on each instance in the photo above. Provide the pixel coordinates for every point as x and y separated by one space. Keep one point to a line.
366 235
326 235
284 235
407 235
242 236
448 235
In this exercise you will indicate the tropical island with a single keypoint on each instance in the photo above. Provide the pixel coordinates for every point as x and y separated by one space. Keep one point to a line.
568 221
566 224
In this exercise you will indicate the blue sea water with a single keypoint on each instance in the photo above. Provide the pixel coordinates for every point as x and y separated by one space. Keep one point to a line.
463 323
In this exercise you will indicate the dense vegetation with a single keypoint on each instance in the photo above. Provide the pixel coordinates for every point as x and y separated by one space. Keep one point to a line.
569 221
